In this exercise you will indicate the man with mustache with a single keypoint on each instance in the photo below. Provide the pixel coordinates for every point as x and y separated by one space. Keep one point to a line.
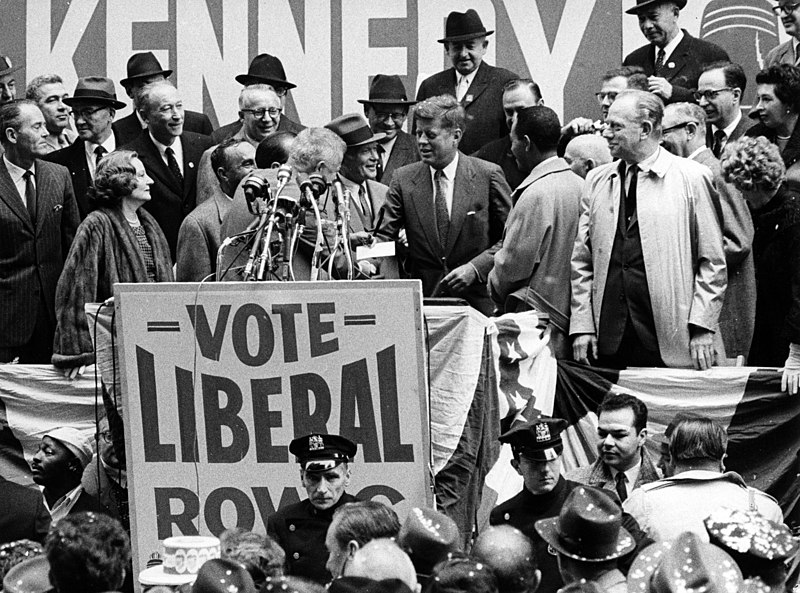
787 52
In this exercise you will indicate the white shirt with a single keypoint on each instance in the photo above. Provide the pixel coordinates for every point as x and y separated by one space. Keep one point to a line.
91 158
16 176
387 150
631 475
449 177
729 128
462 84
63 505
670 47
354 188
176 147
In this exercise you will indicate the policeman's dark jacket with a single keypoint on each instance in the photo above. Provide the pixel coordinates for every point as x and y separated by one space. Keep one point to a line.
300 530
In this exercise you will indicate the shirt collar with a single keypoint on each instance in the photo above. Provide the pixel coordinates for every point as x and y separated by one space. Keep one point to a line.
651 163
450 170
349 184
732 126
110 145
63 505
631 474
17 172
670 47
163 147
388 145
696 152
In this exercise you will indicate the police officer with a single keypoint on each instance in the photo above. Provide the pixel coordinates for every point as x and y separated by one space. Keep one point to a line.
300 528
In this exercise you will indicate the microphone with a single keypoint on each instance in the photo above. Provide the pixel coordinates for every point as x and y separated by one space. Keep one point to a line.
315 184
284 175
255 187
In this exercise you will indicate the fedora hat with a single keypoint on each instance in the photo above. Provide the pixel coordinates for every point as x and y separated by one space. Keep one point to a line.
143 65
645 4
463 26
95 89
588 528
387 89
428 536
265 69
354 129
6 67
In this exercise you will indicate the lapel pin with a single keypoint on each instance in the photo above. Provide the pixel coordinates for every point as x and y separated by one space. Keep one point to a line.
191 165
671 65
468 99
57 207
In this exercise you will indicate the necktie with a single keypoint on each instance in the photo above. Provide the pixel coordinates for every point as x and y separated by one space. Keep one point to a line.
364 203
99 152
381 152
630 195
659 61
172 163
461 88
30 194
442 216
622 490
719 142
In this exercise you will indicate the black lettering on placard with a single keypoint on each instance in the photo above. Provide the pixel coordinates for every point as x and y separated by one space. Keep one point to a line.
288 329
186 415
393 449
154 449
264 500
377 490
318 328
184 519
303 387
210 343
217 416
264 333
212 509
357 399
264 420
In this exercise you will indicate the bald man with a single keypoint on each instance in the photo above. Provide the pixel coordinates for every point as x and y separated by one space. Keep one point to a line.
585 152
383 559
511 555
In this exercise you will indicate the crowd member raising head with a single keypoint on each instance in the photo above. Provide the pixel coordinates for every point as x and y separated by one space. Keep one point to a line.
48 92
118 242
382 559
87 553
755 167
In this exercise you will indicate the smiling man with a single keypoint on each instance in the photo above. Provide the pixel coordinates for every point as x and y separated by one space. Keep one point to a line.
300 528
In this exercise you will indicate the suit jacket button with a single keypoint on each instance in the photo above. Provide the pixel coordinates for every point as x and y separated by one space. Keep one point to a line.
296 555
507 516
292 527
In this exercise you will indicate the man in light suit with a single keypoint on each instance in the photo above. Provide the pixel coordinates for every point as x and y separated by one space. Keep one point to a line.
648 266
170 156
672 59
94 105
386 109
476 84
532 269
453 208
38 218
719 92
787 52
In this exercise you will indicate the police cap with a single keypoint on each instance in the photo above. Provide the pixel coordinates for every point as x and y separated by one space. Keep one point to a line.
320 452
538 439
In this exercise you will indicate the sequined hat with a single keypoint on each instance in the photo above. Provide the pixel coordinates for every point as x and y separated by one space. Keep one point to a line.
320 452
748 532
427 536
220 575
588 528
538 439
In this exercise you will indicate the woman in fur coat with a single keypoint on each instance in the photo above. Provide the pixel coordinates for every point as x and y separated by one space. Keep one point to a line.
118 242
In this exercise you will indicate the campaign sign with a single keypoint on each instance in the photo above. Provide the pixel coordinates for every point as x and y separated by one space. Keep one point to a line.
219 378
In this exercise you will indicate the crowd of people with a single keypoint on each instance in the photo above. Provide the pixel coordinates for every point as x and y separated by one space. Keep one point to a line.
665 233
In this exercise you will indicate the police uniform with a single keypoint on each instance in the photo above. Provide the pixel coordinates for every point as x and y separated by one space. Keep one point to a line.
300 528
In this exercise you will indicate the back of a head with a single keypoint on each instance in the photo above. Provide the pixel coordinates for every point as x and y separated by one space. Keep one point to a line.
275 148
462 575
363 522
88 553
689 112
219 575
541 125
697 439
259 554
512 557
313 146
382 559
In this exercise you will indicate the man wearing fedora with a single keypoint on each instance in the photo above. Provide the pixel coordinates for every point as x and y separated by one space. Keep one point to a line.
94 105
477 85
357 174
589 539
8 86
144 68
264 69
672 59
386 109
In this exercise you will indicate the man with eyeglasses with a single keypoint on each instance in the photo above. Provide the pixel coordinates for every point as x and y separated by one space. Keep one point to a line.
787 52
672 59
719 92
386 109
94 105
170 156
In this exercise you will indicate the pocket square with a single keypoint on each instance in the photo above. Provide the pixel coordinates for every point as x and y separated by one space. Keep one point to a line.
471 213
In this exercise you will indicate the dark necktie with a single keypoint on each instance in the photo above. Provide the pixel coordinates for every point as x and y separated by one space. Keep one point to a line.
99 153
172 163
381 151
719 142
629 197
659 61
622 491
442 216
364 203
30 194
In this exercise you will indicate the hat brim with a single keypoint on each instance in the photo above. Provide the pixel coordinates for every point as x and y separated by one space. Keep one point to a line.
134 79
548 529
11 70
386 102
95 101
155 575
468 36
247 79
645 564
645 5
375 138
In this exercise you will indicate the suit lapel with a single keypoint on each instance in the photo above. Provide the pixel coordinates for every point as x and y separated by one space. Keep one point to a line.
461 200
191 157
156 167
422 199
479 84
679 58
45 186
10 195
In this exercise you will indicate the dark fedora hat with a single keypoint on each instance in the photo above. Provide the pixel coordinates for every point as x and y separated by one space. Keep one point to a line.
387 89
95 89
588 528
143 65
265 69
645 4
6 67
354 129
463 26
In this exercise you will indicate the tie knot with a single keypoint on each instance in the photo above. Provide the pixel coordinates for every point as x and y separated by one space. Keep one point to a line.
168 151
439 175
27 175
99 151
720 135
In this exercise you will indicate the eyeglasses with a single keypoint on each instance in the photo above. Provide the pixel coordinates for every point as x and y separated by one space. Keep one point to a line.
785 8
105 435
603 96
383 115
85 112
678 126
710 95
260 113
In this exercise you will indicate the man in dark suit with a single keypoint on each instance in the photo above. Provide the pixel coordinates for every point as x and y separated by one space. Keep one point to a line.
8 86
171 156
387 109
144 68
476 84
38 218
453 208
94 105
719 92
23 516
786 52
672 59
264 69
